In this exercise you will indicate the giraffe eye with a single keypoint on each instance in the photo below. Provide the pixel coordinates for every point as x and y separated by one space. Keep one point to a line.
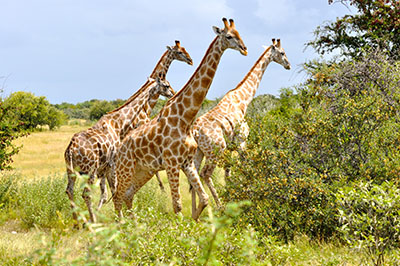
229 37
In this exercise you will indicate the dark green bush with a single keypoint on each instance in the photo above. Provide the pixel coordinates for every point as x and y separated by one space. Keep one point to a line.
370 218
343 125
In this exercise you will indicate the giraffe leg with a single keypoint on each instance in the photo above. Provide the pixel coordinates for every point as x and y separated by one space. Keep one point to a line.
160 182
118 200
206 175
173 180
70 192
198 158
194 179
103 189
88 199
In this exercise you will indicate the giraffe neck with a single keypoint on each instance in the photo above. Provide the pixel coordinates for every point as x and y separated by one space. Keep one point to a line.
246 89
187 102
162 65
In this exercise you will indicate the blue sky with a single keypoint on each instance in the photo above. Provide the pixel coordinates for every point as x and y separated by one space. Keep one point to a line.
76 50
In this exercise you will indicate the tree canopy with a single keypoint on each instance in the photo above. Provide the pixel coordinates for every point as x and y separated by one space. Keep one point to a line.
376 24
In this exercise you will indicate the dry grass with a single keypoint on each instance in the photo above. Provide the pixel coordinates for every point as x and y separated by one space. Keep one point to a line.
42 153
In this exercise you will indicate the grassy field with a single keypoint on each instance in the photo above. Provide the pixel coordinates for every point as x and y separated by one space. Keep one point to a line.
36 225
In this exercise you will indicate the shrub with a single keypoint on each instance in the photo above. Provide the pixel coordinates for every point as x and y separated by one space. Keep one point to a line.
43 203
343 125
31 111
9 131
370 217
287 197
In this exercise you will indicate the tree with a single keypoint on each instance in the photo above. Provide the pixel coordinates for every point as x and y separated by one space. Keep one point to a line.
31 111
376 24
99 108
9 131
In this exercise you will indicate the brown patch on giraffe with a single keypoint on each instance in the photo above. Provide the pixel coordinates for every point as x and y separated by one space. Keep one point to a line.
197 97
173 109
175 133
214 65
158 140
210 72
173 121
216 57
145 149
167 153
166 131
203 70
139 153
152 148
182 149
149 158
190 114
205 82
187 102
151 134
196 84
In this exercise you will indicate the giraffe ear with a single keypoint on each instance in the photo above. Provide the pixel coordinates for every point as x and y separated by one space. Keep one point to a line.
169 48
217 30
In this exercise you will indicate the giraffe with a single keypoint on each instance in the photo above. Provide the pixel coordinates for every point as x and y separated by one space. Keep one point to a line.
88 150
166 141
226 119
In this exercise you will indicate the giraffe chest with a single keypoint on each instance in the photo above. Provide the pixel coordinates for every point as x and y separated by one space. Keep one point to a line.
158 151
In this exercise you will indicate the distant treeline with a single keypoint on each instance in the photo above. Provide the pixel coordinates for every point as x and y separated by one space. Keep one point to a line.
94 109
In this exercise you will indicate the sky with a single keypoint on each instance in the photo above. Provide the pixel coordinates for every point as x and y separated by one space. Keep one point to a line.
77 50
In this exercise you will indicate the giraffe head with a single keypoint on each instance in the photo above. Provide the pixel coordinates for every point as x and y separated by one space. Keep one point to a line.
163 88
179 53
230 37
278 54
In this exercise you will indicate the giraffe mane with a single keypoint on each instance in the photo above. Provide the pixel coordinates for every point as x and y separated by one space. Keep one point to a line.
161 58
134 96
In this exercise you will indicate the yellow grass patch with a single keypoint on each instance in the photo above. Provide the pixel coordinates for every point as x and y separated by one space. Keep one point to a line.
42 153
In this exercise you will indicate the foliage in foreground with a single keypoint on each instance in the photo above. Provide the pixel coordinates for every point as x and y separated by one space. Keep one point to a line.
370 218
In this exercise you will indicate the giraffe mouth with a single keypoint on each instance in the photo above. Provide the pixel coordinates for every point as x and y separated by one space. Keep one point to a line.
243 52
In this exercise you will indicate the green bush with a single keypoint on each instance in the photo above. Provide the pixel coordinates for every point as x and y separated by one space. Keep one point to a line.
31 111
287 197
370 218
342 126
154 238
9 131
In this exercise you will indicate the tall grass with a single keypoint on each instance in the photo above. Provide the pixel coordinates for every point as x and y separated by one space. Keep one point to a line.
36 224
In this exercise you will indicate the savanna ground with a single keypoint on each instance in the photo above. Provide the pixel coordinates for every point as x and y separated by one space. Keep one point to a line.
36 224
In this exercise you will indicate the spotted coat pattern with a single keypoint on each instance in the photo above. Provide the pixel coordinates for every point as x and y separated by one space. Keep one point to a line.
166 142
227 119
89 151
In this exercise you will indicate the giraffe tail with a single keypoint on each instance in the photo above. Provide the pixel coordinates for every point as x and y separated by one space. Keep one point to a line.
113 178
68 159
